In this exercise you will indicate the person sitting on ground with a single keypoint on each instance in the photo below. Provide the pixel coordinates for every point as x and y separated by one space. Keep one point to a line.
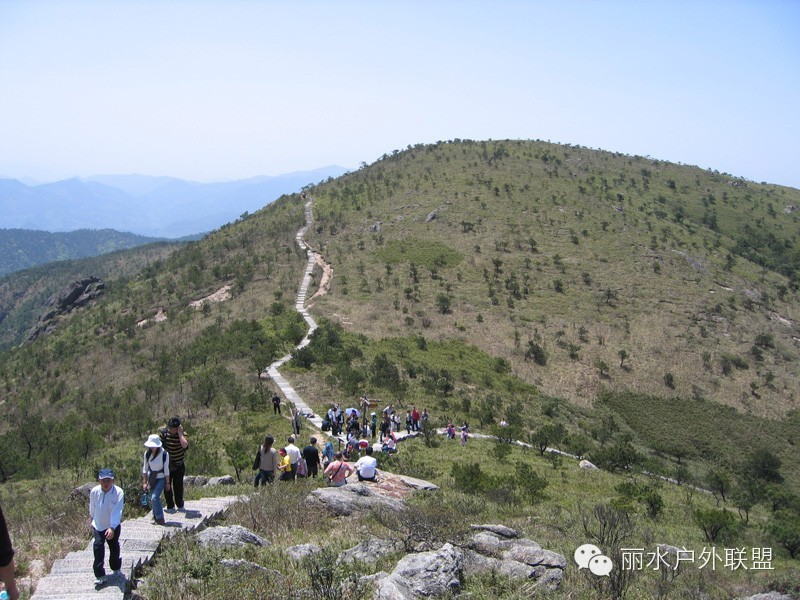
351 447
366 467
353 426
285 466
338 471
390 444
327 453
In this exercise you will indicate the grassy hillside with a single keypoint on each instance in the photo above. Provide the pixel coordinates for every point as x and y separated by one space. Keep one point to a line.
627 273
24 294
635 312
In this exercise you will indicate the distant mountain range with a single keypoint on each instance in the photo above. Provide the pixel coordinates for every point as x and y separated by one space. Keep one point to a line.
23 248
159 207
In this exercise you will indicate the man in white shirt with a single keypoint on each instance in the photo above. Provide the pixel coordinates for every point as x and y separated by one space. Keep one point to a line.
294 454
366 466
105 508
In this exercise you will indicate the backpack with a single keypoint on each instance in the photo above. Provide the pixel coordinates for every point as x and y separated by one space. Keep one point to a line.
302 467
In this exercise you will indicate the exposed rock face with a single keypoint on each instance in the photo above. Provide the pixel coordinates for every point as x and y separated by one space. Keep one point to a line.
349 499
424 574
82 492
509 555
500 530
239 564
235 535
77 294
585 464
224 480
371 550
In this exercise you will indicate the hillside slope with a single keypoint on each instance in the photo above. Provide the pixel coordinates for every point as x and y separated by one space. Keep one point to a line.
616 272
25 248
487 280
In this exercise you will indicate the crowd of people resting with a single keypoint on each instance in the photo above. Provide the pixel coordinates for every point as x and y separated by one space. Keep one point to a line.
290 462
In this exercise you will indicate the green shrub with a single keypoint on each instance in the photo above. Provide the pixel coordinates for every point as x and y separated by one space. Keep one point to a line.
716 524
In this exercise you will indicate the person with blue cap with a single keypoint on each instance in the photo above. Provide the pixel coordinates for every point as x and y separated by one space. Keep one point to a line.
105 508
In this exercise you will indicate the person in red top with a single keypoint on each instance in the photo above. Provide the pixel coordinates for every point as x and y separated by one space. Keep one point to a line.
415 419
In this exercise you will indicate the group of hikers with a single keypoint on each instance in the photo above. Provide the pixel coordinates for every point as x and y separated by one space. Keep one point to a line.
163 471
290 462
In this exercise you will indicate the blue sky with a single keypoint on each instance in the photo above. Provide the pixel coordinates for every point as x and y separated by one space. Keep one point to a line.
211 90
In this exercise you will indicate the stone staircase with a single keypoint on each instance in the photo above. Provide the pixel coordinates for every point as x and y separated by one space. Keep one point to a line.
72 578
300 305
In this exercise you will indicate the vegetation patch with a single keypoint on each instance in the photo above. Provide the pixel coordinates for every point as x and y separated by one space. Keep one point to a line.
426 253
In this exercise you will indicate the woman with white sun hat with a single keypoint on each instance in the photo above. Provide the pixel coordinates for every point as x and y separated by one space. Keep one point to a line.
155 475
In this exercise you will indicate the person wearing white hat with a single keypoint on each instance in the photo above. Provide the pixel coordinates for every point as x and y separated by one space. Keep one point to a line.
105 508
155 475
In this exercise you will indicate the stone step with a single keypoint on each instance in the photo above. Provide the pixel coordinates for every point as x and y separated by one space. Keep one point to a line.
71 578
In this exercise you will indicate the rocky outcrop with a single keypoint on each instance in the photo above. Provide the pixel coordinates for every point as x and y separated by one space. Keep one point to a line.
75 295
235 535
350 499
425 574
498 548
202 481
370 551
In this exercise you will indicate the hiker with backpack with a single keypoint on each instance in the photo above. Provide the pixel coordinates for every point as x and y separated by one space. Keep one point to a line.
338 471
266 462
276 404
155 475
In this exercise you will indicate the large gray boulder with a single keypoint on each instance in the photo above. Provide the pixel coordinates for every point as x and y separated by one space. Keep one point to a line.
235 535
350 499
223 480
476 563
370 551
301 551
491 544
424 574
517 558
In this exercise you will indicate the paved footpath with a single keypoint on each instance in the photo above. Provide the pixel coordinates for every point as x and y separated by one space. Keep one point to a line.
300 306
72 578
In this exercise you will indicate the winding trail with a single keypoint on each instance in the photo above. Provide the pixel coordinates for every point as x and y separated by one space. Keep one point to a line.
300 306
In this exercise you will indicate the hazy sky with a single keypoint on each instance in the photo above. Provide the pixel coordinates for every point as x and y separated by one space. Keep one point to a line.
211 90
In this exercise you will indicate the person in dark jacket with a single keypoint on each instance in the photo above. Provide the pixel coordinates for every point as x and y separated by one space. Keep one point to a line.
311 454
7 560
